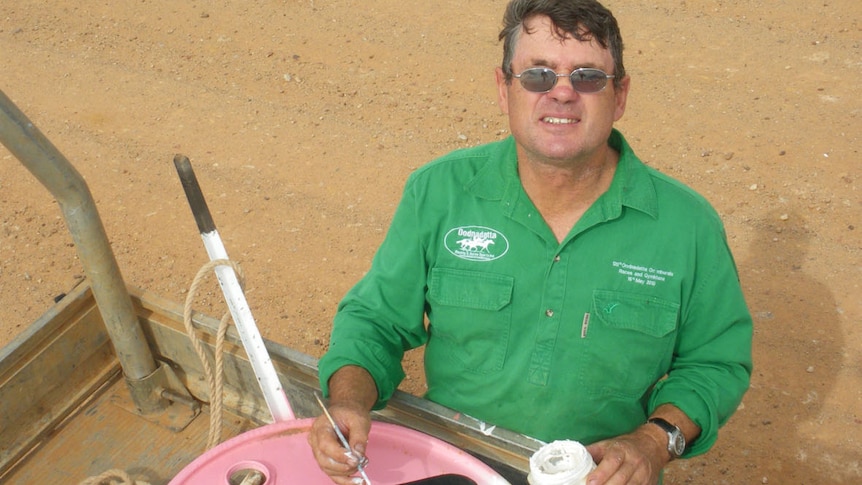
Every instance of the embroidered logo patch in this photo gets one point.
(476, 243)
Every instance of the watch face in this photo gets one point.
(679, 444)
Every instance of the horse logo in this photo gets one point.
(475, 244)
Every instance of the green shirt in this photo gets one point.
(640, 305)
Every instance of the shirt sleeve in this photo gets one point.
(712, 364)
(382, 316)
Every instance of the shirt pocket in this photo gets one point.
(630, 342)
(470, 318)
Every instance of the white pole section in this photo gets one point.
(253, 343)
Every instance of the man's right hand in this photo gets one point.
(330, 454)
(352, 395)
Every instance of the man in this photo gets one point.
(570, 291)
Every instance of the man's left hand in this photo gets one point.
(632, 459)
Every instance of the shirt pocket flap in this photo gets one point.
(470, 289)
(643, 313)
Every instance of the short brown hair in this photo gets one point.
(582, 19)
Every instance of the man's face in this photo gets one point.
(561, 126)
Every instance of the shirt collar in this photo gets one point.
(632, 185)
(499, 177)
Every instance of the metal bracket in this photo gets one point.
(174, 406)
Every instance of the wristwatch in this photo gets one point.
(675, 438)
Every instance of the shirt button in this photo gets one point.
(557, 258)
(549, 312)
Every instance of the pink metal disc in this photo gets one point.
(280, 451)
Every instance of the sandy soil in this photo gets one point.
(303, 119)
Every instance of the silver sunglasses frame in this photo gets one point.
(569, 75)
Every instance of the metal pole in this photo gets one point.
(54, 171)
(261, 364)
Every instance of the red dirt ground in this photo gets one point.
(303, 119)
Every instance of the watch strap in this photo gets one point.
(663, 424)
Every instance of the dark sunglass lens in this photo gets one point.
(588, 80)
(538, 80)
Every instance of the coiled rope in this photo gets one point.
(215, 380)
(110, 477)
(215, 377)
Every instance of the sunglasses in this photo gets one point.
(584, 79)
